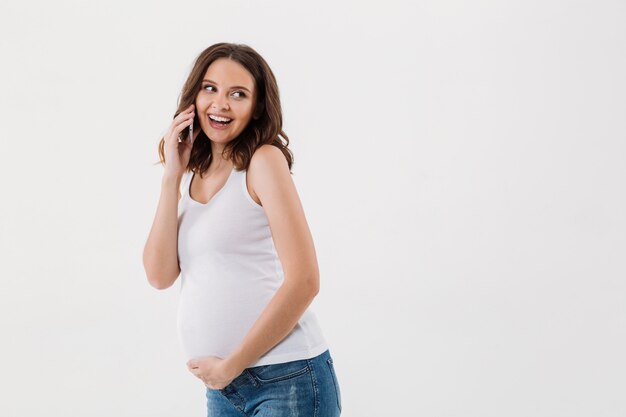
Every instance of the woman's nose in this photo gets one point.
(220, 103)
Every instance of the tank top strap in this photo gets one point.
(184, 183)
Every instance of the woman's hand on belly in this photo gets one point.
(213, 371)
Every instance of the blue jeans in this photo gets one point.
(305, 388)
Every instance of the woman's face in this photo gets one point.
(227, 91)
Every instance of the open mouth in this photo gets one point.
(219, 121)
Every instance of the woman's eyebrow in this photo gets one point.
(235, 86)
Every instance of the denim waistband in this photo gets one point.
(246, 378)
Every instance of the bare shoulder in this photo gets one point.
(268, 165)
(269, 154)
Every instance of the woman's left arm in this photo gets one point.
(274, 186)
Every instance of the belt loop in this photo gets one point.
(252, 378)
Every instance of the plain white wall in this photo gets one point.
(461, 165)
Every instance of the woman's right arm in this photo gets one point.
(160, 254)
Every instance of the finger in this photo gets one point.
(185, 123)
(182, 126)
(183, 115)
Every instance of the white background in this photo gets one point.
(462, 166)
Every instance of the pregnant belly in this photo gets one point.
(215, 322)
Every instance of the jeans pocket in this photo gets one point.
(266, 374)
(331, 366)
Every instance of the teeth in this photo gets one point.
(219, 119)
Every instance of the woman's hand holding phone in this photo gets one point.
(177, 153)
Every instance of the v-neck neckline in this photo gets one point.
(193, 174)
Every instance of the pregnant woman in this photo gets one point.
(229, 221)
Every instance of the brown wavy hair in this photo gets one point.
(266, 127)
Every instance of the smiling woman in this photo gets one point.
(239, 240)
(224, 109)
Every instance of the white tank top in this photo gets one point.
(229, 272)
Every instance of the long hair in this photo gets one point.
(265, 128)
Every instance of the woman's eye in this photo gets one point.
(241, 93)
